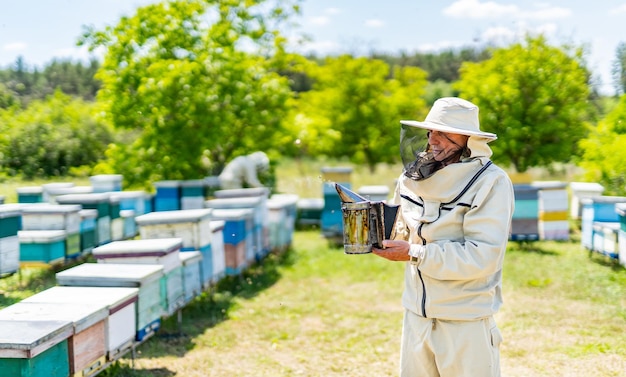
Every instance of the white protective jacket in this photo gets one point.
(458, 271)
(243, 170)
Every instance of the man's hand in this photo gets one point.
(395, 250)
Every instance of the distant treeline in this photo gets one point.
(22, 83)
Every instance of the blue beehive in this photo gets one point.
(332, 219)
(167, 196)
(597, 209)
(257, 245)
(133, 200)
(237, 229)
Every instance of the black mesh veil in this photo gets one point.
(419, 162)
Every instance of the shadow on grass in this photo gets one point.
(205, 311)
(606, 261)
(533, 247)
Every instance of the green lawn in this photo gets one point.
(315, 311)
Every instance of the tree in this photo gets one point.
(51, 137)
(355, 107)
(604, 153)
(534, 97)
(193, 90)
(619, 69)
(7, 97)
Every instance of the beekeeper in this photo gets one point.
(243, 171)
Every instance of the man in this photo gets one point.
(243, 170)
(452, 230)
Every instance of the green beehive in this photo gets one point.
(41, 247)
(34, 348)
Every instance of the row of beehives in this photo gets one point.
(101, 310)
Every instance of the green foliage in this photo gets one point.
(27, 84)
(442, 65)
(354, 108)
(7, 97)
(534, 97)
(189, 89)
(604, 153)
(50, 137)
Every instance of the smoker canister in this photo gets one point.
(356, 227)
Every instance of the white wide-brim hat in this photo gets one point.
(452, 115)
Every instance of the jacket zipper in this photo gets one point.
(419, 273)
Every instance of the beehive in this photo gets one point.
(163, 252)
(148, 278)
(86, 344)
(39, 349)
(121, 304)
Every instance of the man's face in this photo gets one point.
(443, 145)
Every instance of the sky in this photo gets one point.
(40, 30)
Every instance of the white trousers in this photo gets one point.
(441, 348)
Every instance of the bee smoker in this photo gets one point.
(365, 223)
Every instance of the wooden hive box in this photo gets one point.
(88, 230)
(257, 228)
(41, 247)
(148, 278)
(39, 349)
(290, 203)
(167, 196)
(161, 251)
(117, 222)
(121, 304)
(192, 194)
(98, 201)
(129, 224)
(29, 194)
(86, 345)
(237, 238)
(44, 216)
(217, 250)
(192, 274)
(191, 225)
(106, 182)
(277, 224)
(10, 224)
(134, 200)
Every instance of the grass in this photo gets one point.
(314, 311)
